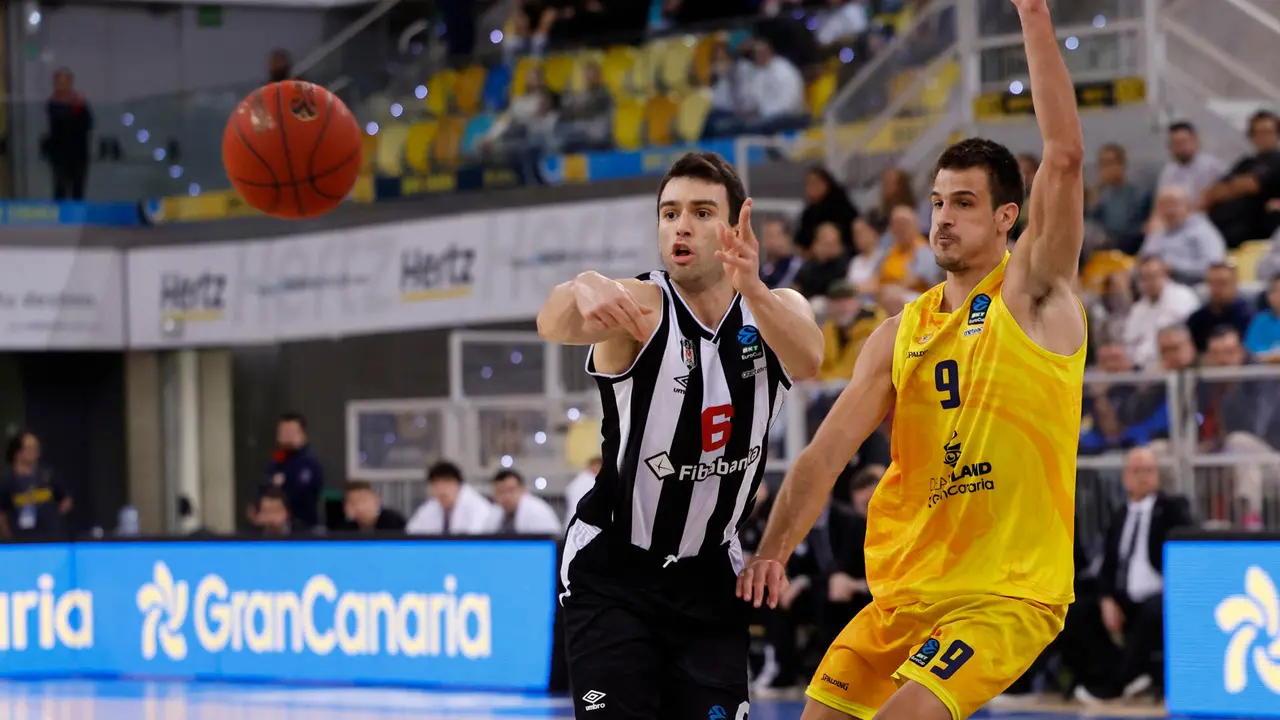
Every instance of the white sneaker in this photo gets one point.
(768, 671)
(1139, 685)
(1084, 697)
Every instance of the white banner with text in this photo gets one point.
(61, 299)
(454, 271)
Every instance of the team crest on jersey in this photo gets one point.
(978, 309)
(686, 353)
(749, 339)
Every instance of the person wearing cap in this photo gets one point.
(849, 324)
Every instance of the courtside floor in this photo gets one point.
(128, 700)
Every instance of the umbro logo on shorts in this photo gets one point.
(592, 699)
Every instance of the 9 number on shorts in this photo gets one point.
(946, 665)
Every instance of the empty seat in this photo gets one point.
(497, 88)
(676, 63)
(692, 117)
(446, 148)
(820, 91)
(469, 89)
(659, 119)
(440, 92)
(558, 72)
(616, 69)
(628, 120)
(703, 53)
(1102, 265)
(417, 148)
(476, 128)
(391, 141)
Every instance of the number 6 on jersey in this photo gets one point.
(946, 375)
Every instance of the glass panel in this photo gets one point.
(405, 440)
(503, 368)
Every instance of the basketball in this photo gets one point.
(292, 150)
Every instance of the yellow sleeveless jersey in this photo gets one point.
(980, 497)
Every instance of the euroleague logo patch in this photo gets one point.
(749, 339)
(978, 309)
(926, 652)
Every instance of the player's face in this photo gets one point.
(965, 231)
(689, 213)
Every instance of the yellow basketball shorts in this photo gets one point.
(966, 650)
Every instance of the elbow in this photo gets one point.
(809, 366)
(1066, 156)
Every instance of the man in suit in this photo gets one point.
(1131, 583)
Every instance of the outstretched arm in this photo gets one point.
(1048, 253)
(807, 487)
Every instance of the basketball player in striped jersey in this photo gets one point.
(693, 365)
(969, 538)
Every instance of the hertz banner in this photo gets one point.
(380, 278)
(472, 613)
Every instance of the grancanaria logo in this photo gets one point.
(1245, 617)
(163, 604)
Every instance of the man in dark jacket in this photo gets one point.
(66, 147)
(296, 471)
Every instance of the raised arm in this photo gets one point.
(807, 487)
(1048, 253)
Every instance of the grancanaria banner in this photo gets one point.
(473, 613)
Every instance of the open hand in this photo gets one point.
(761, 575)
(740, 252)
(607, 304)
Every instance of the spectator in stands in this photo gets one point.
(32, 500)
(849, 323)
(580, 486)
(1115, 417)
(728, 78)
(1161, 303)
(842, 22)
(1188, 168)
(895, 190)
(1186, 240)
(365, 512)
(1240, 203)
(826, 201)
(295, 471)
(66, 147)
(698, 12)
(864, 266)
(1225, 306)
(527, 125)
(1117, 205)
(1131, 580)
(847, 590)
(1109, 311)
(827, 263)
(455, 508)
(908, 262)
(779, 262)
(1262, 339)
(279, 66)
(587, 115)
(273, 517)
(774, 94)
(518, 511)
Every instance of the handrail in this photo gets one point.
(1259, 83)
(1115, 27)
(1257, 14)
(871, 68)
(886, 116)
(327, 48)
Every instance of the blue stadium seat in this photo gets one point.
(497, 88)
(476, 128)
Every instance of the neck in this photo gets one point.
(23, 468)
(711, 304)
(960, 284)
(1139, 498)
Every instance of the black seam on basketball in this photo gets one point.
(345, 162)
(279, 186)
(315, 146)
(284, 143)
(319, 176)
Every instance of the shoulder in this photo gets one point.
(795, 300)
(645, 292)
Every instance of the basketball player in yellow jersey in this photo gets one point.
(969, 538)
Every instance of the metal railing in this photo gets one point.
(1216, 430)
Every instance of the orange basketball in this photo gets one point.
(292, 150)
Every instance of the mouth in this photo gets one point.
(681, 254)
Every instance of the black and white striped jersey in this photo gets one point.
(685, 431)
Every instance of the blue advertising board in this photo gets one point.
(1222, 628)
(467, 614)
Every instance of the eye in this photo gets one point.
(669, 215)
(937, 203)
(704, 214)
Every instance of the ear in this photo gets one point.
(1006, 217)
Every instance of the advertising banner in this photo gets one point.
(489, 267)
(413, 612)
(1222, 628)
(61, 298)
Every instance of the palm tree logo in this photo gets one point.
(1246, 617)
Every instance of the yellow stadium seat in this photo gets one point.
(446, 147)
(616, 69)
(648, 60)
(1247, 257)
(1102, 265)
(676, 63)
(520, 77)
(368, 153)
(703, 53)
(936, 95)
(628, 120)
(558, 72)
(391, 141)
(820, 92)
(469, 89)
(692, 117)
(417, 149)
(659, 120)
(440, 92)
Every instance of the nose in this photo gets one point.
(684, 224)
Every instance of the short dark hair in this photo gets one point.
(273, 493)
(14, 445)
(1182, 126)
(294, 417)
(444, 470)
(1149, 258)
(712, 168)
(356, 486)
(1260, 116)
(1115, 149)
(1221, 331)
(504, 474)
(1003, 174)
